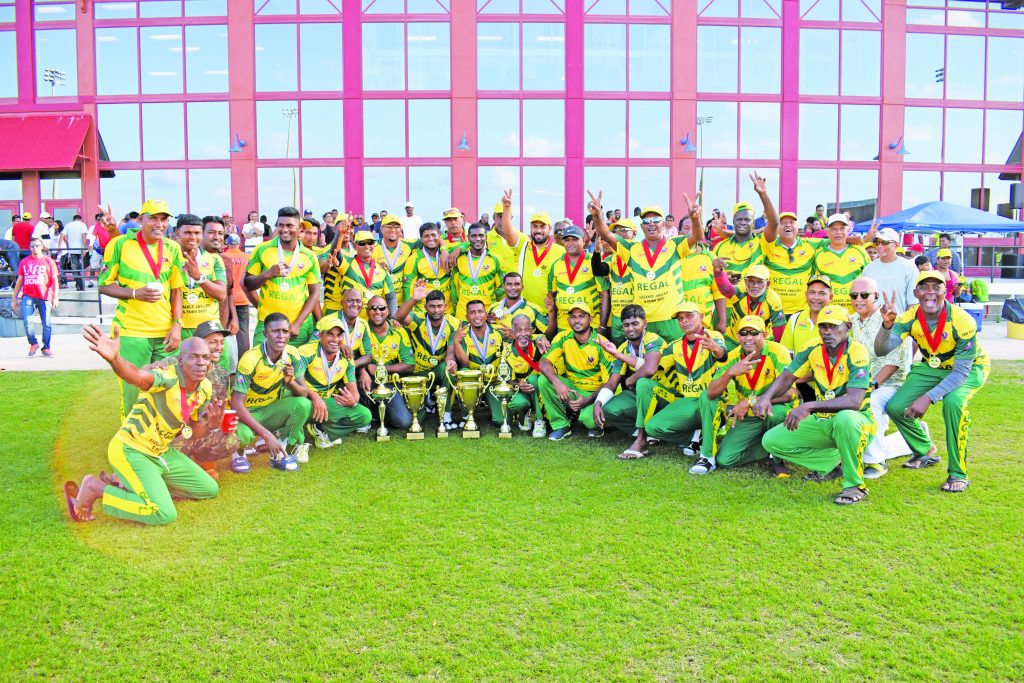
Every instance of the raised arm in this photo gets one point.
(508, 231)
(109, 349)
(597, 216)
(771, 228)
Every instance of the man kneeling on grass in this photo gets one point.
(147, 469)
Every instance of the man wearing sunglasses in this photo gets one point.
(359, 272)
(754, 297)
(840, 260)
(390, 345)
(952, 369)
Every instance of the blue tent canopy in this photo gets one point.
(932, 217)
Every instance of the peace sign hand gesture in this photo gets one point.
(743, 365)
(594, 205)
(888, 310)
(506, 199)
(693, 208)
(760, 183)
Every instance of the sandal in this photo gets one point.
(956, 485)
(919, 462)
(632, 454)
(819, 478)
(70, 496)
(851, 495)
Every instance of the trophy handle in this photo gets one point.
(430, 381)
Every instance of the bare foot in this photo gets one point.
(111, 479)
(932, 451)
(89, 492)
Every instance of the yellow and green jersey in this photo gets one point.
(483, 351)
(851, 369)
(575, 284)
(791, 268)
(499, 249)
(958, 338)
(620, 284)
(533, 263)
(776, 358)
(393, 346)
(430, 346)
(518, 360)
(657, 285)
(485, 285)
(767, 307)
(739, 256)
(352, 334)
(156, 418)
(351, 273)
(323, 375)
(650, 343)
(393, 261)
(286, 294)
(699, 284)
(322, 253)
(197, 306)
(507, 313)
(422, 266)
(261, 380)
(842, 267)
(800, 331)
(688, 366)
(127, 266)
(585, 364)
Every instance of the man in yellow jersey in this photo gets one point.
(573, 282)
(205, 279)
(432, 336)
(501, 313)
(214, 243)
(572, 370)
(360, 272)
(477, 274)
(145, 273)
(148, 470)
(673, 408)
(952, 369)
(264, 408)
(703, 279)
(287, 277)
(392, 253)
(534, 255)
(353, 327)
(748, 369)
(636, 358)
(802, 326)
(454, 226)
(333, 377)
(496, 244)
(390, 344)
(840, 424)
(429, 265)
(620, 281)
(307, 237)
(525, 362)
(754, 297)
(656, 262)
(478, 346)
(742, 248)
(842, 262)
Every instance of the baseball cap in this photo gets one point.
(541, 217)
(742, 206)
(209, 327)
(390, 219)
(498, 208)
(307, 225)
(929, 275)
(408, 205)
(362, 235)
(838, 218)
(581, 307)
(944, 253)
(45, 215)
(623, 224)
(232, 240)
(823, 279)
(834, 315)
(887, 235)
(759, 271)
(329, 322)
(916, 248)
(307, 212)
(572, 231)
(154, 207)
(652, 209)
(26, 216)
(687, 307)
(452, 213)
(788, 214)
(901, 250)
(753, 322)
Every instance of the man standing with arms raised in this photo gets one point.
(534, 256)
(359, 272)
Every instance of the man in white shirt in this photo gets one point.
(76, 234)
(890, 272)
(410, 223)
(43, 227)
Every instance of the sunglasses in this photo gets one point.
(863, 295)
(365, 243)
(652, 219)
(377, 308)
(749, 333)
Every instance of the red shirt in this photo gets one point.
(235, 261)
(22, 233)
(103, 237)
(39, 276)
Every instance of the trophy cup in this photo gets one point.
(414, 390)
(469, 384)
(504, 391)
(441, 397)
(382, 395)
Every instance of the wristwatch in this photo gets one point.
(202, 279)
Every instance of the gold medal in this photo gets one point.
(474, 289)
(433, 361)
(186, 432)
(570, 290)
(192, 298)
(536, 272)
(650, 275)
(934, 362)
(829, 395)
(436, 284)
(285, 286)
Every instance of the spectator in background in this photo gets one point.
(268, 232)
(130, 225)
(671, 230)
(77, 238)
(43, 229)
(922, 263)
(235, 262)
(11, 259)
(485, 219)
(890, 272)
(36, 290)
(410, 223)
(945, 242)
(21, 232)
(816, 226)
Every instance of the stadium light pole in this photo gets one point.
(290, 113)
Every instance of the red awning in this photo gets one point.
(42, 142)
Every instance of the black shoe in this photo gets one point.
(778, 467)
(822, 478)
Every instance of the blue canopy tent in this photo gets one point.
(932, 217)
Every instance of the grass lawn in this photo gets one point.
(521, 560)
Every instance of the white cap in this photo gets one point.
(408, 205)
(45, 215)
(838, 218)
(887, 235)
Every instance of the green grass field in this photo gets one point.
(508, 561)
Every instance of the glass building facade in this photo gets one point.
(361, 104)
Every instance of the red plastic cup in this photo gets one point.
(230, 421)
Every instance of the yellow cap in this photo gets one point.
(822, 279)
(451, 213)
(901, 250)
(364, 235)
(498, 208)
(759, 271)
(390, 219)
(307, 225)
(652, 209)
(26, 216)
(154, 207)
(624, 224)
(788, 214)
(541, 217)
(834, 315)
(328, 322)
(929, 275)
(753, 322)
(944, 253)
(687, 307)
(742, 206)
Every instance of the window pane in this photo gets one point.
(759, 130)
(209, 191)
(1005, 82)
(604, 128)
(275, 7)
(161, 50)
(123, 192)
(205, 8)
(859, 132)
(543, 56)
(55, 49)
(761, 67)
(999, 191)
(276, 59)
(857, 186)
(429, 56)
(543, 128)
(1002, 129)
(208, 134)
(163, 131)
(385, 187)
(277, 188)
(323, 188)
(825, 10)
(61, 188)
(819, 126)
(855, 10)
(717, 59)
(167, 184)
(923, 126)
(119, 126)
(54, 12)
(540, 6)
(604, 57)
(759, 9)
(819, 62)
(649, 186)
(424, 7)
(719, 189)
(277, 130)
(9, 56)
(956, 187)
(431, 188)
(920, 187)
(322, 134)
(115, 10)
(492, 181)
(117, 64)
(716, 136)
(544, 190)
(963, 136)
(157, 9)
(721, 8)
(383, 57)
(206, 58)
(497, 66)
(648, 129)
(816, 186)
(649, 57)
(862, 66)
(965, 62)
(607, 7)
(925, 53)
(498, 6)
(498, 126)
(430, 129)
(320, 56)
(611, 180)
(384, 128)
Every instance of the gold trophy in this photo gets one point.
(441, 397)
(382, 394)
(469, 384)
(414, 391)
(504, 391)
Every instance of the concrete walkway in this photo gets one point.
(71, 352)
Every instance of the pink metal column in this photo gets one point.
(683, 173)
(894, 69)
(463, 70)
(241, 106)
(575, 198)
(789, 144)
(85, 38)
(25, 42)
(352, 71)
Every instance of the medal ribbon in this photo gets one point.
(266, 357)
(367, 277)
(391, 257)
(153, 265)
(639, 353)
(435, 340)
(933, 339)
(503, 310)
(651, 258)
(527, 355)
(435, 265)
(754, 311)
(538, 259)
(830, 369)
(570, 272)
(621, 266)
(688, 359)
(474, 273)
(752, 381)
(329, 371)
(186, 407)
(346, 332)
(280, 257)
(481, 350)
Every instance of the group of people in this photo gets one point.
(770, 346)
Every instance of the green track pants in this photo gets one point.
(819, 443)
(523, 403)
(558, 412)
(620, 411)
(343, 420)
(742, 442)
(285, 416)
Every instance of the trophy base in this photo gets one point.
(414, 436)
(504, 435)
(475, 434)
(385, 437)
(442, 435)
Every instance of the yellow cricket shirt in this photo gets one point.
(485, 285)
(620, 284)
(348, 275)
(582, 289)
(424, 358)
(393, 260)
(393, 346)
(205, 306)
(842, 268)
(283, 294)
(777, 358)
(127, 266)
(699, 284)
(316, 376)
(650, 343)
(768, 307)
(263, 381)
(791, 268)
(739, 255)
(586, 365)
(800, 331)
(522, 367)
(657, 285)
(420, 266)
(851, 370)
(533, 263)
(689, 367)
(499, 249)
(958, 339)
(506, 314)
(487, 352)
(156, 417)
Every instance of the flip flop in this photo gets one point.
(632, 454)
(70, 495)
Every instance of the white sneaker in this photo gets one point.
(361, 430)
(320, 438)
(540, 430)
(527, 423)
(702, 466)
(301, 453)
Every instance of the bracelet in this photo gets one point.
(133, 294)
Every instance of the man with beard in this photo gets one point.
(360, 272)
(842, 426)
(433, 338)
(288, 279)
(145, 273)
(952, 369)
(148, 468)
(428, 265)
(389, 344)
(573, 282)
(478, 347)
(535, 256)
(205, 280)
(525, 362)
(503, 312)
(477, 274)
(754, 297)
